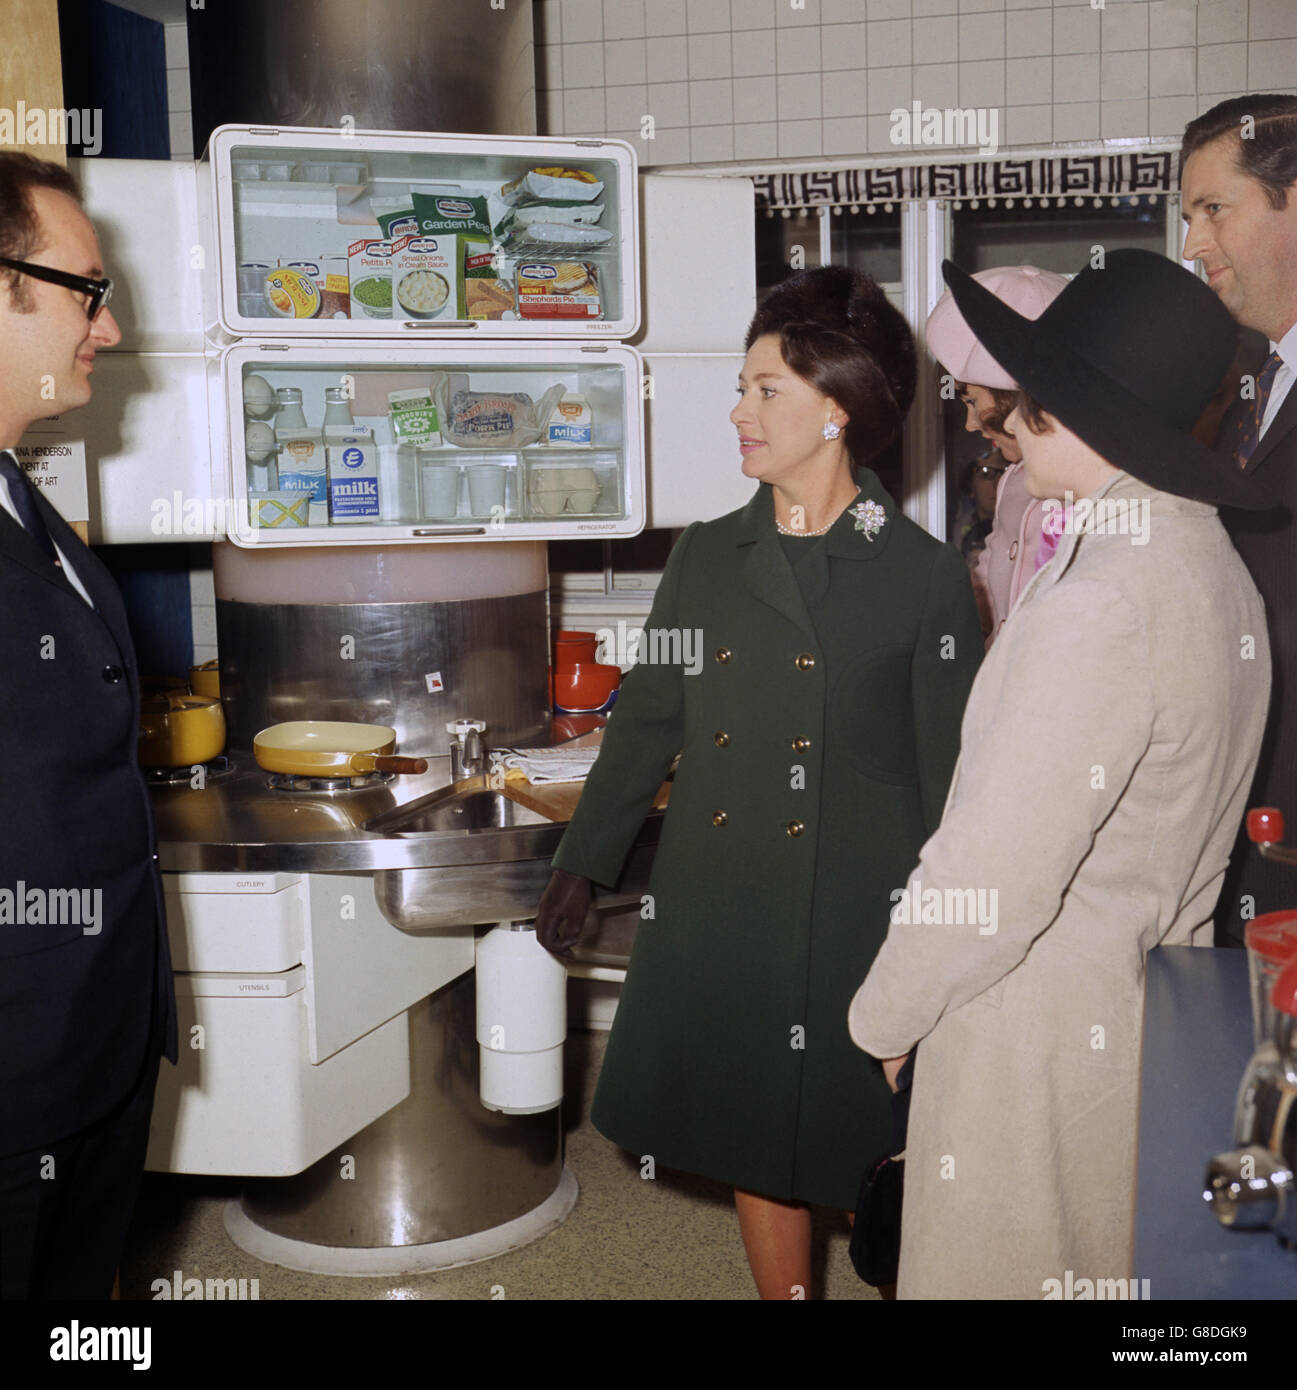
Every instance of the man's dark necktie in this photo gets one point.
(1249, 419)
(24, 500)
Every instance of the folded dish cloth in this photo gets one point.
(548, 764)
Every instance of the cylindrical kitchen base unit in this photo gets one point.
(405, 636)
(437, 1168)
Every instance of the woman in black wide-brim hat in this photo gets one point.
(839, 642)
(1107, 750)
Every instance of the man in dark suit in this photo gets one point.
(86, 1003)
(1238, 180)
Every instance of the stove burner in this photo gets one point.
(290, 782)
(219, 766)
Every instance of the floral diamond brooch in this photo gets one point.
(869, 518)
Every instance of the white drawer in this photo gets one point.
(245, 1097)
(236, 923)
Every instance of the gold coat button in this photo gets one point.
(723, 655)
(719, 818)
(804, 661)
(794, 828)
(722, 739)
(801, 743)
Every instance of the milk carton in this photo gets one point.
(301, 463)
(353, 477)
(571, 424)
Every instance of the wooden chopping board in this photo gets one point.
(557, 800)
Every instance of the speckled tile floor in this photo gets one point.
(676, 1237)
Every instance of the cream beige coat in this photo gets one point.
(1107, 748)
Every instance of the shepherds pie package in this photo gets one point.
(557, 290)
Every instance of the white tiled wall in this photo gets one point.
(202, 602)
(176, 39)
(729, 80)
(202, 594)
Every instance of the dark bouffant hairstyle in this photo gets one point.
(1003, 403)
(19, 231)
(1270, 152)
(837, 330)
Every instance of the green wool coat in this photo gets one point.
(817, 741)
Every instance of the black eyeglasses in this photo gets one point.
(99, 291)
(990, 470)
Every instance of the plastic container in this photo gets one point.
(438, 489)
(279, 508)
(571, 482)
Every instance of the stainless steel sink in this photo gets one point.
(475, 808)
(504, 877)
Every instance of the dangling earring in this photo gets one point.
(831, 430)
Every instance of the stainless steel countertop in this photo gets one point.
(237, 822)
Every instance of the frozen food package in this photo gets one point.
(557, 290)
(490, 419)
(292, 294)
(330, 276)
(504, 217)
(450, 214)
(395, 216)
(585, 214)
(369, 270)
(552, 184)
(485, 292)
(426, 277)
(560, 234)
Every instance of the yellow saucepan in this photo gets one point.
(179, 730)
(329, 748)
(206, 679)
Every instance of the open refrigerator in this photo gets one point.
(422, 337)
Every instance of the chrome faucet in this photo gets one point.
(467, 748)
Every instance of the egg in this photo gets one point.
(258, 398)
(259, 440)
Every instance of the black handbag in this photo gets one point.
(876, 1237)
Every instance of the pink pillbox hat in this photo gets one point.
(1024, 288)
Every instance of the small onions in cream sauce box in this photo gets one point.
(426, 277)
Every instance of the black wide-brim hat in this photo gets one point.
(1127, 357)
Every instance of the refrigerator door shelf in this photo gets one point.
(307, 197)
(524, 489)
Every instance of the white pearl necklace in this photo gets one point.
(790, 531)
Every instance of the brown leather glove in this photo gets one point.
(562, 911)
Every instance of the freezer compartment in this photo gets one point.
(245, 1098)
(390, 232)
(388, 443)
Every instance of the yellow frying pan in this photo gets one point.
(327, 748)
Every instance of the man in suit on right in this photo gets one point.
(1238, 182)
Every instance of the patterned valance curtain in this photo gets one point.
(1060, 179)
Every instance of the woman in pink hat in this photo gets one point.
(1015, 548)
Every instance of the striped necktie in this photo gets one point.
(24, 500)
(1249, 420)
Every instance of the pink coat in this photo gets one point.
(1010, 557)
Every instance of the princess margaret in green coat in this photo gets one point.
(817, 741)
